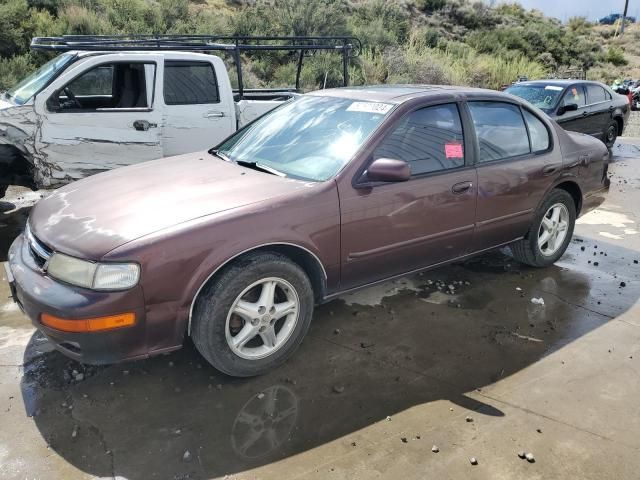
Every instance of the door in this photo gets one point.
(196, 116)
(600, 110)
(389, 229)
(100, 114)
(575, 120)
(515, 166)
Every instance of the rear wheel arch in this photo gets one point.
(304, 258)
(573, 189)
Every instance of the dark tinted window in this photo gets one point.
(500, 130)
(189, 83)
(429, 139)
(595, 94)
(574, 94)
(537, 131)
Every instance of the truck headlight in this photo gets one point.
(96, 276)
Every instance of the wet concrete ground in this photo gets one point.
(384, 375)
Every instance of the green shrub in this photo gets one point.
(14, 69)
(615, 55)
(431, 41)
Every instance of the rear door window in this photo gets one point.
(429, 140)
(190, 83)
(500, 130)
(595, 94)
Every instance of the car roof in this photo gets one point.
(557, 82)
(398, 93)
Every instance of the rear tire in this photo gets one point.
(611, 134)
(548, 237)
(254, 315)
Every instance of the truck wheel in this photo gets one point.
(253, 316)
(550, 232)
(610, 134)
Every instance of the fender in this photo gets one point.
(230, 259)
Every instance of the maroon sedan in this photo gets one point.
(334, 191)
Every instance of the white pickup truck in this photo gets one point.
(86, 111)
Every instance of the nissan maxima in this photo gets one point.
(331, 192)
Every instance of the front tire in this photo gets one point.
(550, 232)
(254, 315)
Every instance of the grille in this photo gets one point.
(39, 251)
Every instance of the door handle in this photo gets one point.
(611, 108)
(550, 169)
(143, 125)
(461, 187)
(584, 114)
(214, 115)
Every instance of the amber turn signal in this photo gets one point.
(88, 324)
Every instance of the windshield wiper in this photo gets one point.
(244, 163)
(260, 168)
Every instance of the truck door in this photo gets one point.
(199, 110)
(98, 115)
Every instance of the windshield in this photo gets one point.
(545, 97)
(310, 138)
(35, 82)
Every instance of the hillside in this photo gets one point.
(426, 41)
(624, 50)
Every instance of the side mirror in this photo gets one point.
(388, 170)
(571, 107)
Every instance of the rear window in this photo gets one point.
(190, 83)
(500, 129)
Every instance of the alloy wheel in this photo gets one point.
(553, 229)
(262, 318)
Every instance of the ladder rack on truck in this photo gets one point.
(348, 46)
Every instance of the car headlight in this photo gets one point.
(97, 276)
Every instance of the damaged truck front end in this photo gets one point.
(21, 160)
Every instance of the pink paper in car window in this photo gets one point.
(453, 150)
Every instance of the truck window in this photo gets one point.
(190, 83)
(106, 86)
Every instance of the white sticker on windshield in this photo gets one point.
(553, 87)
(369, 107)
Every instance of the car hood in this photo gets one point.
(91, 217)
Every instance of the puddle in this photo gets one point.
(374, 295)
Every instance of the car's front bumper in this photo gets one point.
(36, 293)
